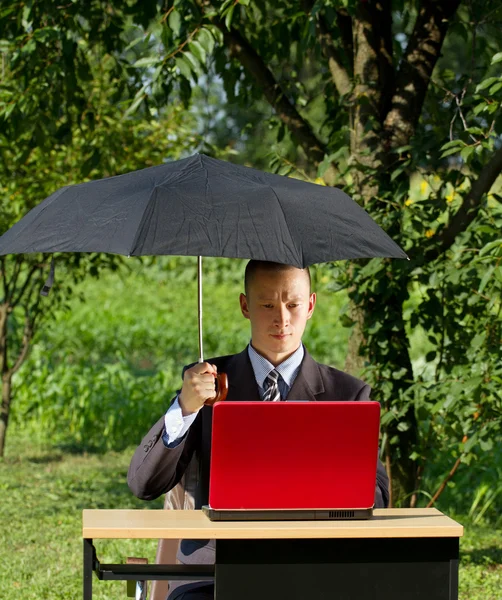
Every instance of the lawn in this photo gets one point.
(44, 490)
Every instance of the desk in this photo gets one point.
(399, 554)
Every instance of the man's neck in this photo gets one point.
(274, 359)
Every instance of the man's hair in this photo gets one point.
(271, 267)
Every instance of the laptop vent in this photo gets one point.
(341, 514)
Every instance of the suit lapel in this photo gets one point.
(242, 383)
(241, 380)
(308, 383)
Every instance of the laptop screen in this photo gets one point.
(294, 455)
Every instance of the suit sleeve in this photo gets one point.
(155, 469)
(382, 487)
(382, 481)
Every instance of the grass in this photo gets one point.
(44, 490)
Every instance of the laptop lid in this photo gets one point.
(294, 455)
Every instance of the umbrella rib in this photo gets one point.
(299, 252)
(139, 230)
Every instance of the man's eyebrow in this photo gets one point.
(274, 298)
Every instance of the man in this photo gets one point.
(275, 366)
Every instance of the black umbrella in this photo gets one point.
(201, 206)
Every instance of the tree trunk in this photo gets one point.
(5, 409)
(354, 361)
(397, 375)
(6, 378)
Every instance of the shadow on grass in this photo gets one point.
(491, 555)
(45, 459)
(76, 448)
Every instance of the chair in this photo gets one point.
(181, 497)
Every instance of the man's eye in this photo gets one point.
(267, 306)
(293, 305)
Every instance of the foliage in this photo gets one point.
(63, 119)
(375, 96)
(398, 103)
(105, 369)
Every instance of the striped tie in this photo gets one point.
(271, 388)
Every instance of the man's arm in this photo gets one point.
(155, 469)
(382, 487)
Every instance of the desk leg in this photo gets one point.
(89, 556)
(337, 569)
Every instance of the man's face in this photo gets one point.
(278, 304)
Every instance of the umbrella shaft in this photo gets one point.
(199, 285)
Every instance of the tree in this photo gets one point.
(63, 119)
(399, 103)
(396, 102)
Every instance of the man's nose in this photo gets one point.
(281, 316)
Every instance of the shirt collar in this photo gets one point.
(288, 369)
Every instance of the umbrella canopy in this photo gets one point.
(201, 206)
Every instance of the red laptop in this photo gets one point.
(293, 460)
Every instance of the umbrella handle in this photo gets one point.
(221, 389)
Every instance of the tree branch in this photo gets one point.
(4, 278)
(419, 60)
(29, 275)
(15, 274)
(27, 336)
(468, 210)
(388, 468)
(339, 74)
(445, 481)
(241, 49)
(31, 315)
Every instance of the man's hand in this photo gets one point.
(198, 386)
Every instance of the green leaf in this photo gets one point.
(174, 21)
(147, 61)
(466, 152)
(184, 66)
(452, 144)
(396, 173)
(490, 246)
(471, 442)
(479, 108)
(138, 99)
(497, 58)
(198, 51)
(495, 88)
(450, 152)
(475, 131)
(487, 83)
(228, 16)
(206, 40)
(194, 63)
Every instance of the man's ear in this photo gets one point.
(244, 305)
(312, 301)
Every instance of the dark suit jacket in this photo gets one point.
(155, 469)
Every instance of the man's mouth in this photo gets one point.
(280, 336)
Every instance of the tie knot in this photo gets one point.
(273, 377)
